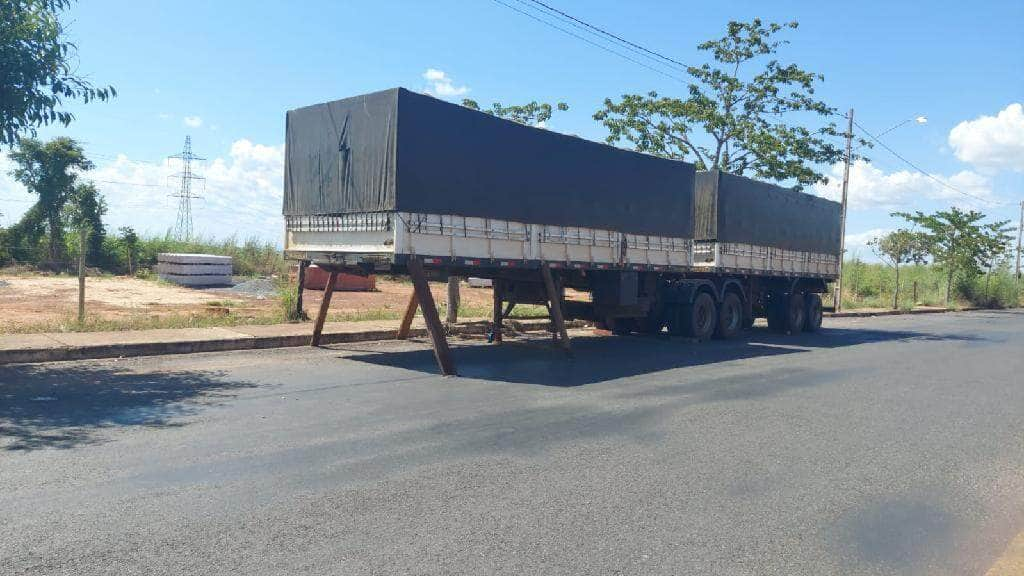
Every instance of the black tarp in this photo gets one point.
(400, 150)
(730, 208)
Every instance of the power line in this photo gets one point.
(611, 35)
(131, 183)
(922, 171)
(591, 42)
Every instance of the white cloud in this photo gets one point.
(992, 142)
(870, 187)
(193, 121)
(241, 195)
(442, 85)
(859, 241)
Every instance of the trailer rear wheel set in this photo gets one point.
(623, 302)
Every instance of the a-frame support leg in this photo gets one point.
(555, 307)
(498, 287)
(410, 313)
(321, 316)
(433, 321)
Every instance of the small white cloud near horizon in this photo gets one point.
(442, 85)
(870, 187)
(193, 121)
(992, 143)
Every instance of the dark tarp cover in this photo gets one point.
(400, 150)
(730, 208)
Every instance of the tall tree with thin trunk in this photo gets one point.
(959, 241)
(896, 248)
(50, 171)
(745, 113)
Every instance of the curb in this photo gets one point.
(243, 342)
(855, 314)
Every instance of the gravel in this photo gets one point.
(258, 287)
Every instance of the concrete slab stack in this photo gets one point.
(194, 269)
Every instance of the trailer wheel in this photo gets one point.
(700, 317)
(796, 313)
(730, 317)
(812, 320)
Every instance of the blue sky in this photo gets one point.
(226, 72)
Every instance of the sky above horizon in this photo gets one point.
(225, 73)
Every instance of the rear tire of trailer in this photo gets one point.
(700, 318)
(812, 315)
(730, 317)
(796, 313)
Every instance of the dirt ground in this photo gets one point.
(37, 300)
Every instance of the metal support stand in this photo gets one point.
(555, 308)
(433, 321)
(497, 286)
(301, 277)
(321, 316)
(410, 313)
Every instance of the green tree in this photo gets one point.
(129, 240)
(733, 116)
(85, 209)
(532, 114)
(38, 70)
(50, 171)
(959, 241)
(899, 247)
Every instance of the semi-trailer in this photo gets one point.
(399, 182)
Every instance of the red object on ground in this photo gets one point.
(316, 279)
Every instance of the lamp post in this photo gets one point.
(847, 160)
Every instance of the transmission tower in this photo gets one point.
(183, 226)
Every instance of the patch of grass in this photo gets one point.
(143, 322)
(871, 285)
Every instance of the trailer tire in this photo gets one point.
(700, 317)
(730, 317)
(796, 313)
(812, 320)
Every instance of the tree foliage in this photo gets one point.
(50, 171)
(532, 114)
(959, 241)
(899, 247)
(129, 240)
(85, 210)
(38, 73)
(734, 115)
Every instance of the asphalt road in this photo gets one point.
(880, 446)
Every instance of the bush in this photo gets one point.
(287, 297)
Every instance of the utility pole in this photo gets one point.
(842, 214)
(83, 243)
(1020, 229)
(183, 225)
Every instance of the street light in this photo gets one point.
(920, 119)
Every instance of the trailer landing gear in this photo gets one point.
(555, 308)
